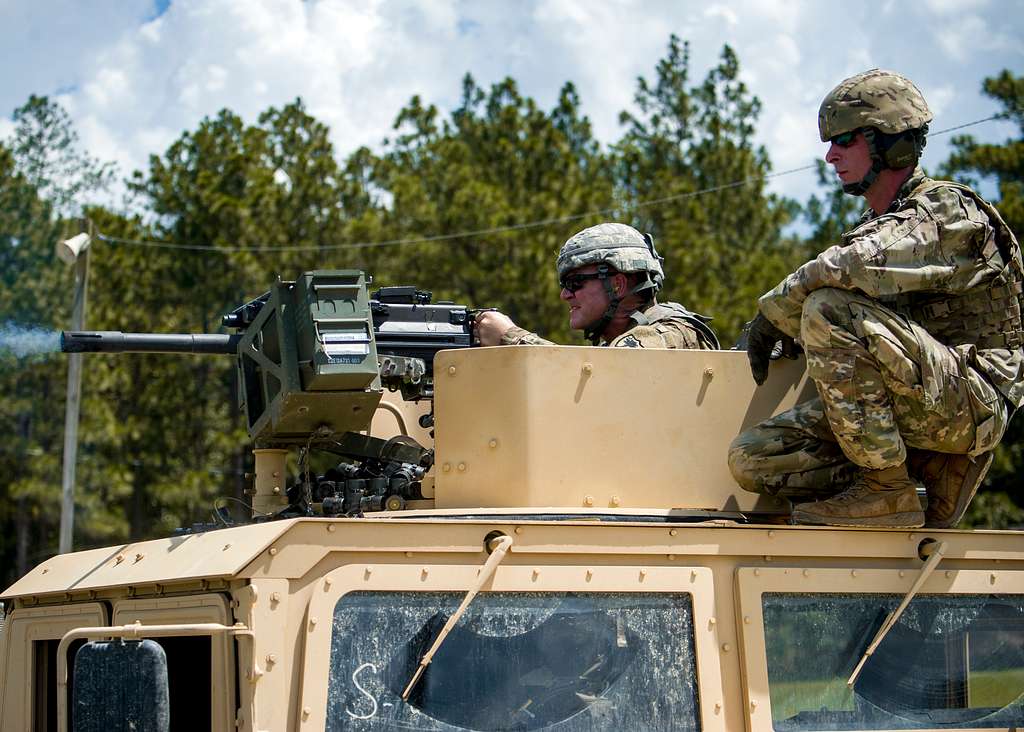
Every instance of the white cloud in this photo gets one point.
(723, 12)
(133, 83)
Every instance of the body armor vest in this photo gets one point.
(674, 311)
(988, 316)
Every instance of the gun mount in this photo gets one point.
(313, 358)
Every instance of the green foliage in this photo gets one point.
(497, 162)
(686, 139)
(46, 151)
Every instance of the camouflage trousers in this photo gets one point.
(884, 384)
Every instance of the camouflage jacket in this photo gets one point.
(660, 325)
(935, 242)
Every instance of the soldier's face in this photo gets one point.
(588, 303)
(851, 162)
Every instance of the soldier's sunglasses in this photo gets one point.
(846, 139)
(575, 282)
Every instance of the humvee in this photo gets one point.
(515, 538)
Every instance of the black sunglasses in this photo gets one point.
(846, 139)
(575, 282)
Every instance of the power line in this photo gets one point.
(540, 223)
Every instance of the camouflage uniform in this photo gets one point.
(913, 337)
(659, 325)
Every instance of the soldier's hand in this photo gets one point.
(489, 326)
(762, 337)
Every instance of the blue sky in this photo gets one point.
(136, 73)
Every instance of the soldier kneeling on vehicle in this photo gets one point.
(912, 329)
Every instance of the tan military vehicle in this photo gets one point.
(533, 538)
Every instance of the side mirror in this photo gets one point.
(120, 686)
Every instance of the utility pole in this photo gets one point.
(73, 251)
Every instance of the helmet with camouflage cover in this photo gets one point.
(881, 99)
(621, 247)
(614, 248)
(889, 110)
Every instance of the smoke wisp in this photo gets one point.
(22, 341)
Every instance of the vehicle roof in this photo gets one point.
(290, 548)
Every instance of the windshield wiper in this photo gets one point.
(934, 552)
(498, 546)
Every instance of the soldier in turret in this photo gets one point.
(610, 274)
(912, 329)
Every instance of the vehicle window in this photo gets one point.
(522, 661)
(950, 661)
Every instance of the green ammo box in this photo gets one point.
(309, 359)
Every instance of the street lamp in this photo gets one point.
(73, 251)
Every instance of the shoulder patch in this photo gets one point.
(630, 341)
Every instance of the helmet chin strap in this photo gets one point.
(595, 330)
(878, 164)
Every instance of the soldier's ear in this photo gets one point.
(620, 283)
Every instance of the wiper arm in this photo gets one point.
(499, 546)
(935, 552)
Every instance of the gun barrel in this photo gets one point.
(114, 341)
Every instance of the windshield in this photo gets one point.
(515, 661)
(950, 661)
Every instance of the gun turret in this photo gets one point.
(315, 353)
(114, 341)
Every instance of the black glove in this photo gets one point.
(766, 343)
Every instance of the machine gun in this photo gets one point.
(313, 357)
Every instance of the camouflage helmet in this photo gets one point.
(619, 246)
(881, 99)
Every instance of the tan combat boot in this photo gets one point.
(877, 498)
(951, 482)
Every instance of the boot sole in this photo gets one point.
(904, 520)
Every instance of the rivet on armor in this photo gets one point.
(671, 557)
(615, 501)
(447, 467)
(227, 546)
(519, 529)
(331, 528)
(588, 501)
(643, 574)
(673, 532)
(275, 597)
(273, 551)
(312, 623)
(807, 573)
(757, 572)
(327, 584)
(853, 572)
(726, 648)
(588, 368)
(709, 372)
(408, 554)
(451, 371)
(493, 443)
(949, 573)
(590, 575)
(462, 467)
